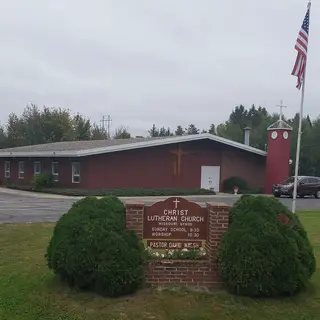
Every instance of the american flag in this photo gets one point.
(302, 48)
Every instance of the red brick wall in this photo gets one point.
(193, 273)
(196, 273)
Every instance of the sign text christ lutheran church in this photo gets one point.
(175, 223)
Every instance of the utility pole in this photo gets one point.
(108, 120)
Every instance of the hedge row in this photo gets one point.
(115, 192)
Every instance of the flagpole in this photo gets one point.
(296, 171)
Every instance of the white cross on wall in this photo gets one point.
(176, 203)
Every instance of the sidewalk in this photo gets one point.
(141, 198)
(22, 193)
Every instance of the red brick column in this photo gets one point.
(218, 223)
(134, 216)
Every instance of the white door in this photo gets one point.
(210, 177)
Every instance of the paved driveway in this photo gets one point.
(25, 208)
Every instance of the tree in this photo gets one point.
(168, 132)
(121, 133)
(239, 116)
(3, 138)
(57, 124)
(98, 133)
(48, 125)
(309, 152)
(230, 131)
(212, 129)
(154, 132)
(163, 132)
(257, 118)
(15, 131)
(81, 127)
(179, 131)
(192, 129)
(32, 125)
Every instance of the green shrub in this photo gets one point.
(266, 251)
(228, 184)
(115, 192)
(91, 249)
(42, 180)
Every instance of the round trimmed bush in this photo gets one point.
(228, 184)
(91, 249)
(266, 251)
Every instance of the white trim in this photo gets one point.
(135, 145)
(73, 175)
(21, 172)
(34, 167)
(55, 174)
(7, 173)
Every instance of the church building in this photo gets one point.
(178, 162)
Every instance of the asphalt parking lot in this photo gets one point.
(23, 208)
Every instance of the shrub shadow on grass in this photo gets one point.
(57, 287)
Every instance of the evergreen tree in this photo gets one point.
(154, 132)
(179, 131)
(212, 129)
(162, 132)
(192, 129)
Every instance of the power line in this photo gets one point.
(108, 120)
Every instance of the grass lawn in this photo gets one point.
(28, 291)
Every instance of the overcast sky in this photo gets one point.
(166, 62)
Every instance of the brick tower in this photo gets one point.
(278, 153)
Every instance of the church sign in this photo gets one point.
(175, 223)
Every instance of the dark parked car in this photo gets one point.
(307, 186)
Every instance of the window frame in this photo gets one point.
(7, 173)
(34, 167)
(73, 175)
(55, 174)
(303, 181)
(21, 173)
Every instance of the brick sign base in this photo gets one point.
(192, 273)
(202, 274)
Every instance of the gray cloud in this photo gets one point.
(164, 62)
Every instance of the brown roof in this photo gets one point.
(77, 145)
